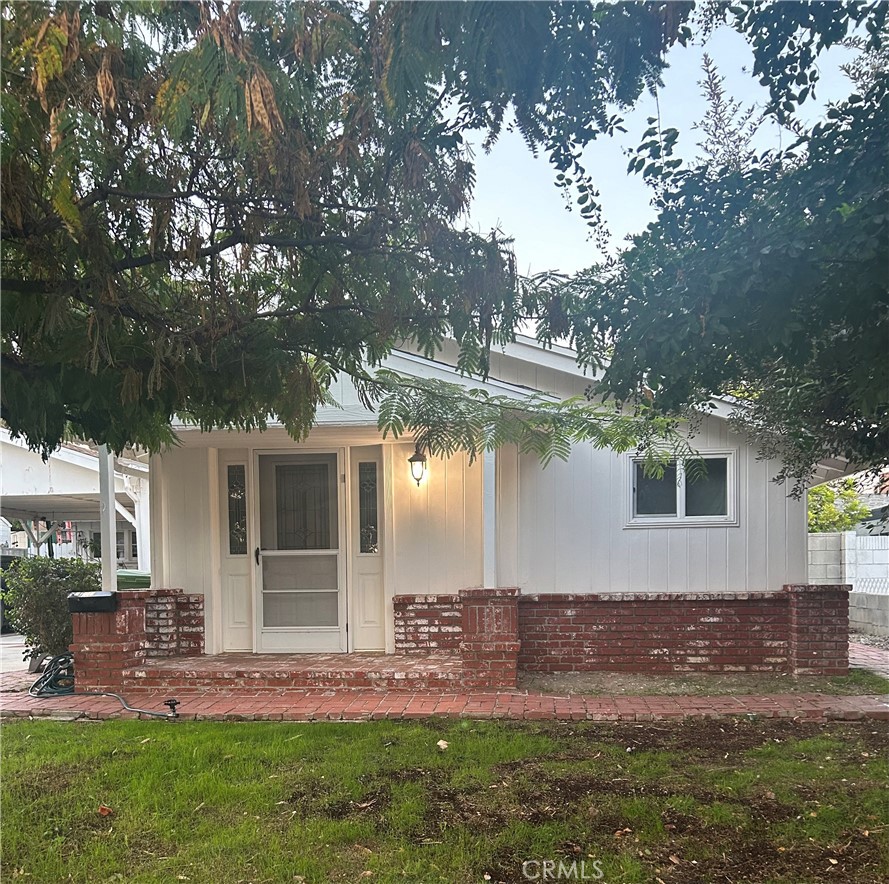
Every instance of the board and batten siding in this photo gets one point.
(568, 531)
(562, 528)
(437, 527)
(183, 483)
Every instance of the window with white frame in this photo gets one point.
(699, 492)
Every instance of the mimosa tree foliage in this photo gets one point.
(210, 209)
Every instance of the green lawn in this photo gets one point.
(700, 801)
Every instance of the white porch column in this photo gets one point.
(143, 527)
(489, 518)
(137, 491)
(107, 519)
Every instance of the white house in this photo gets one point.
(59, 499)
(330, 545)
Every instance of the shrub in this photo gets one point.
(835, 507)
(36, 601)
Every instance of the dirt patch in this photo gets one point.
(49, 780)
(757, 860)
(682, 828)
(688, 684)
(709, 739)
(744, 859)
(313, 799)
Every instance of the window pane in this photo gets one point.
(367, 508)
(120, 545)
(282, 609)
(708, 495)
(303, 506)
(134, 546)
(300, 591)
(237, 510)
(655, 497)
(299, 573)
(298, 501)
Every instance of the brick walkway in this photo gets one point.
(866, 657)
(362, 705)
(239, 704)
(358, 705)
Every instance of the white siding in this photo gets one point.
(559, 529)
(437, 526)
(182, 528)
(572, 536)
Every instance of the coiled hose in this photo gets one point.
(58, 680)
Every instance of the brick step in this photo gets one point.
(423, 681)
(267, 674)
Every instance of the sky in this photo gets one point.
(516, 192)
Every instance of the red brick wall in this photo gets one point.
(174, 624)
(147, 623)
(106, 644)
(426, 624)
(726, 632)
(490, 646)
(819, 629)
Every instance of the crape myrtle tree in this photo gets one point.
(764, 277)
(212, 209)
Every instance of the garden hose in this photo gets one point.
(58, 680)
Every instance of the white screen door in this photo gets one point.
(299, 561)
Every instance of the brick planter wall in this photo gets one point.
(426, 624)
(803, 629)
(495, 632)
(106, 644)
(819, 629)
(147, 623)
(490, 646)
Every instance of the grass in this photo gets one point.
(696, 801)
(858, 679)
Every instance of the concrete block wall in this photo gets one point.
(827, 558)
(869, 613)
(861, 561)
(846, 557)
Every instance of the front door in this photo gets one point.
(299, 562)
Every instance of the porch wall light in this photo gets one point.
(418, 465)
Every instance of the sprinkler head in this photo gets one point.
(172, 704)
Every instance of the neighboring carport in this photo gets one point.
(68, 488)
